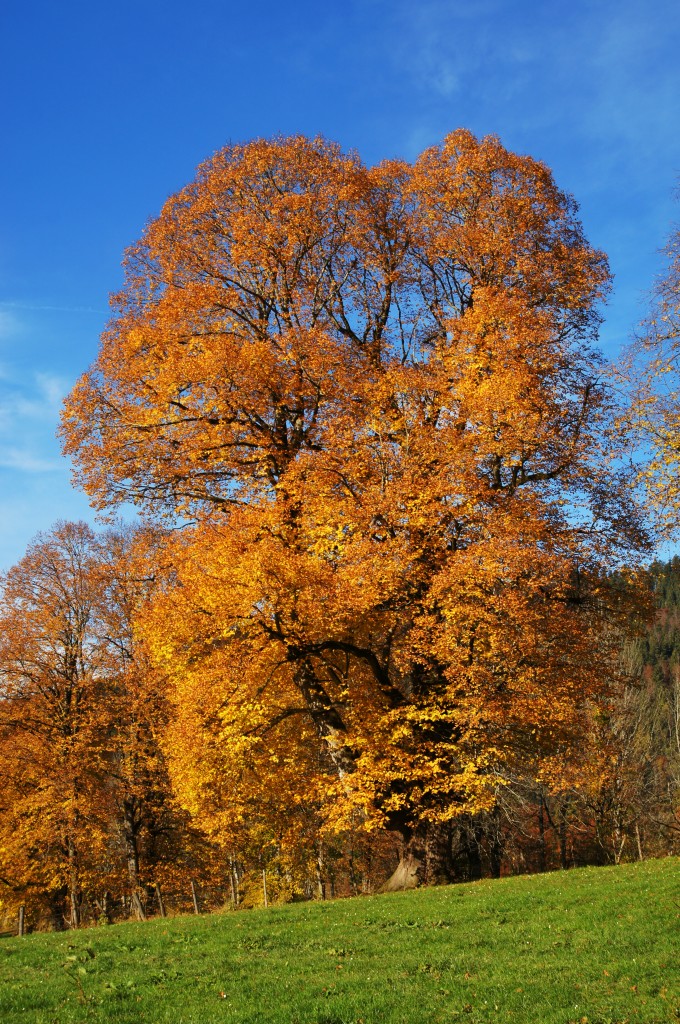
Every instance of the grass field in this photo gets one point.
(598, 945)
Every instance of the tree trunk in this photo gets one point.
(56, 912)
(130, 837)
(562, 834)
(467, 856)
(639, 842)
(352, 873)
(425, 857)
(329, 725)
(541, 834)
(159, 897)
(320, 884)
(104, 912)
(474, 859)
(74, 909)
(495, 855)
(73, 893)
(137, 906)
(233, 879)
(408, 873)
(496, 846)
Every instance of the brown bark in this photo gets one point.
(104, 912)
(425, 857)
(495, 842)
(74, 906)
(194, 897)
(73, 886)
(541, 834)
(159, 897)
(408, 873)
(130, 839)
(327, 721)
(233, 880)
(562, 835)
(320, 884)
(56, 910)
(638, 840)
(474, 859)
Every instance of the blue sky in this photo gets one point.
(108, 108)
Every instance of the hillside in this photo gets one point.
(595, 945)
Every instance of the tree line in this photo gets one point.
(96, 822)
(381, 622)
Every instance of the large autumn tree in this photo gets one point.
(372, 398)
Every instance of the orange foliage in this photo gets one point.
(373, 393)
(86, 806)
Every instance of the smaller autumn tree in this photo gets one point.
(51, 728)
(374, 394)
(87, 808)
(653, 373)
(144, 823)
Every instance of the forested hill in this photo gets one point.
(653, 662)
(659, 651)
(646, 725)
(630, 807)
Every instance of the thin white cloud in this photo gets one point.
(593, 70)
(10, 325)
(28, 462)
(53, 388)
(29, 412)
(39, 401)
(42, 307)
(31, 507)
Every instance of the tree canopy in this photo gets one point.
(371, 396)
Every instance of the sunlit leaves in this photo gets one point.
(373, 395)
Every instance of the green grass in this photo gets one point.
(599, 944)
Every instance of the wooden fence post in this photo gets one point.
(159, 897)
(234, 888)
(194, 897)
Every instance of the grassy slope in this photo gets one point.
(601, 945)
